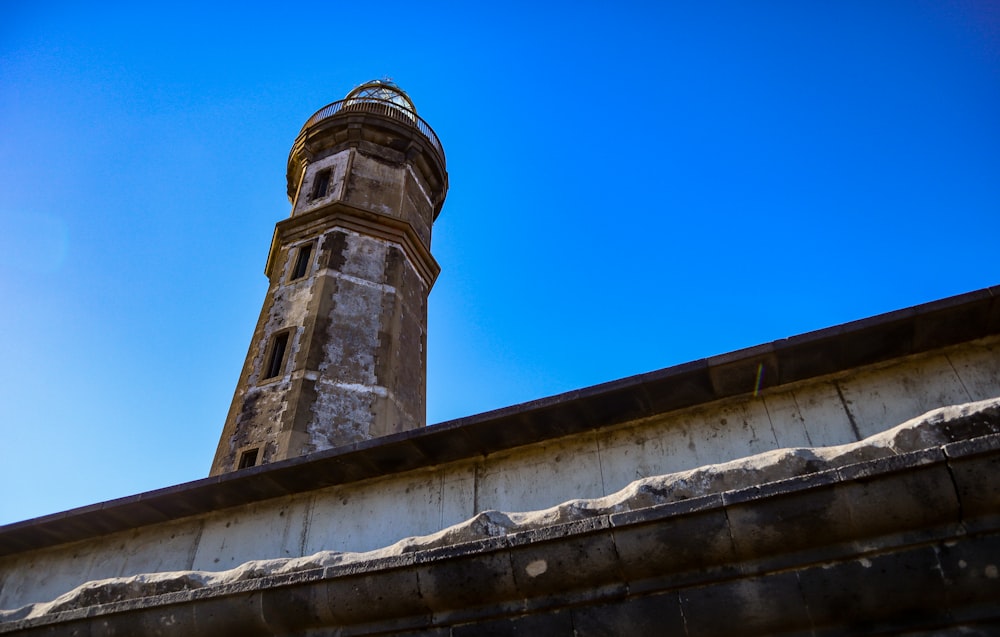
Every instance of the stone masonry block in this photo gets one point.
(919, 498)
(676, 545)
(971, 570)
(550, 567)
(649, 615)
(289, 608)
(805, 517)
(975, 476)
(752, 606)
(471, 578)
(377, 594)
(550, 623)
(890, 587)
(237, 615)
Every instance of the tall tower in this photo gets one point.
(339, 353)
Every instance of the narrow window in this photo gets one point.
(248, 458)
(302, 262)
(275, 362)
(321, 183)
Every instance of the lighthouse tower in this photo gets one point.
(339, 354)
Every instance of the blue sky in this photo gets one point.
(633, 186)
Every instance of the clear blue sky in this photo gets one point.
(633, 186)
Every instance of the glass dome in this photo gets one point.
(383, 93)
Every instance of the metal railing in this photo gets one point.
(379, 107)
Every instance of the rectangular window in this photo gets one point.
(276, 359)
(320, 184)
(248, 459)
(302, 262)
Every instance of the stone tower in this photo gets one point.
(339, 353)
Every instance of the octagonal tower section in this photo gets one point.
(339, 354)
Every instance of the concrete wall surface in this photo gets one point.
(373, 513)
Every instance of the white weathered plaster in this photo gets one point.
(550, 472)
(358, 387)
(382, 287)
(823, 414)
(337, 164)
(805, 416)
(239, 535)
(374, 511)
(875, 398)
(420, 185)
(978, 368)
(388, 176)
(163, 547)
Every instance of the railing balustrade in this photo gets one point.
(378, 106)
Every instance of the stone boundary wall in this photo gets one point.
(373, 513)
(901, 544)
(784, 364)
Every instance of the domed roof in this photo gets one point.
(381, 91)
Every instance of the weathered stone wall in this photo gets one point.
(356, 351)
(370, 514)
(337, 164)
(370, 177)
(896, 534)
(356, 322)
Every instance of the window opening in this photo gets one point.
(321, 183)
(302, 262)
(277, 358)
(248, 458)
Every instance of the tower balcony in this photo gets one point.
(378, 106)
(376, 115)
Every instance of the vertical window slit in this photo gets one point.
(302, 262)
(275, 361)
(248, 459)
(321, 183)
